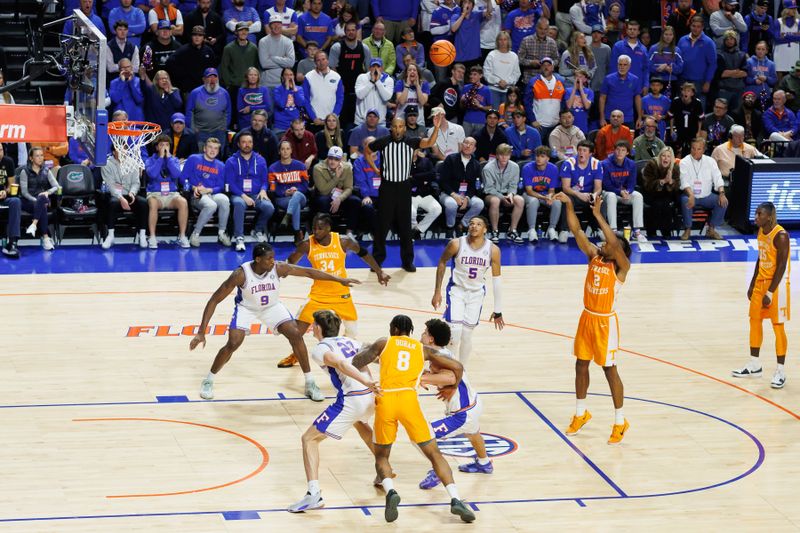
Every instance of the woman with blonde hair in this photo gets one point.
(251, 96)
(501, 69)
(330, 135)
(662, 192)
(666, 61)
(577, 55)
(161, 98)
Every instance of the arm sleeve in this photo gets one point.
(333, 58)
(337, 108)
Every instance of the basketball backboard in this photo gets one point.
(87, 89)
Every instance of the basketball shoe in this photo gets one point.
(457, 507)
(618, 432)
(430, 481)
(577, 423)
(747, 371)
(392, 502)
(288, 361)
(207, 389)
(312, 391)
(309, 502)
(778, 380)
(476, 468)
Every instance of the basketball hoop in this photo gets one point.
(128, 137)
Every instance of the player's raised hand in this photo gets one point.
(198, 339)
(349, 282)
(598, 201)
(436, 301)
(383, 278)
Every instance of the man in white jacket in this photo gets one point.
(374, 89)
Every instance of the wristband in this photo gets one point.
(495, 316)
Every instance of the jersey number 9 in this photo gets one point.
(265, 300)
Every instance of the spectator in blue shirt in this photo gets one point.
(466, 25)
(657, 105)
(579, 99)
(133, 16)
(619, 186)
(581, 177)
(367, 183)
(314, 25)
(476, 100)
(205, 175)
(620, 90)
(780, 123)
(631, 47)
(251, 96)
(246, 176)
(290, 101)
(699, 54)
(288, 183)
(395, 15)
(523, 139)
(87, 8)
(126, 92)
(522, 22)
(241, 13)
(540, 180)
(162, 172)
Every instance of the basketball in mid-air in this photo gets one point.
(443, 53)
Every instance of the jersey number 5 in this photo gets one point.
(403, 360)
(473, 273)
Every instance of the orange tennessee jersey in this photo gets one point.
(601, 287)
(768, 254)
(402, 363)
(329, 259)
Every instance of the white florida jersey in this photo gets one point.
(470, 266)
(258, 292)
(347, 348)
(464, 397)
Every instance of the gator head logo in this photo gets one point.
(254, 99)
(211, 102)
(496, 446)
(75, 176)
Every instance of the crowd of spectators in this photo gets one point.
(266, 106)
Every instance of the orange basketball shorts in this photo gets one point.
(597, 338)
(343, 307)
(779, 310)
(400, 407)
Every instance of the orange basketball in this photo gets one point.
(443, 53)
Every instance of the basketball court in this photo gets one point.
(104, 429)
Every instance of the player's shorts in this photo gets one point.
(343, 307)
(272, 317)
(466, 420)
(163, 199)
(403, 407)
(344, 412)
(779, 311)
(597, 338)
(463, 307)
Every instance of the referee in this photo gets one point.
(394, 195)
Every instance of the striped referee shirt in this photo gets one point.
(396, 157)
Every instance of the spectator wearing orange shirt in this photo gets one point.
(609, 134)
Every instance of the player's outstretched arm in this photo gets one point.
(622, 261)
(437, 379)
(285, 269)
(497, 315)
(369, 353)
(575, 226)
(236, 279)
(351, 244)
(299, 252)
(344, 366)
(449, 252)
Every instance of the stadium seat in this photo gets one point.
(77, 206)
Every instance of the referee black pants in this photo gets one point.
(394, 208)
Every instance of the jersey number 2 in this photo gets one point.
(403, 360)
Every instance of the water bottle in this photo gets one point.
(478, 184)
(103, 188)
(186, 185)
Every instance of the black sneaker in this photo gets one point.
(10, 250)
(494, 236)
(747, 372)
(410, 268)
(449, 234)
(457, 507)
(416, 234)
(515, 237)
(392, 502)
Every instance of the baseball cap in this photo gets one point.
(437, 111)
(162, 24)
(412, 110)
(178, 117)
(376, 61)
(210, 71)
(275, 18)
(796, 67)
(598, 27)
(335, 152)
(242, 26)
(790, 4)
(198, 30)
(374, 111)
(748, 93)
(547, 59)
(656, 79)
(762, 3)
(731, 2)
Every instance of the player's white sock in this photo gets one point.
(619, 417)
(220, 232)
(387, 484)
(309, 377)
(142, 234)
(111, 233)
(755, 363)
(580, 407)
(313, 486)
(484, 461)
(780, 368)
(210, 377)
(452, 491)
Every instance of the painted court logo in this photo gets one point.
(496, 446)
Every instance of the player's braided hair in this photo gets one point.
(401, 325)
(262, 248)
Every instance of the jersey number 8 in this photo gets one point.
(403, 360)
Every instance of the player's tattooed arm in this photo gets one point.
(368, 354)
(236, 279)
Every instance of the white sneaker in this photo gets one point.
(778, 380)
(207, 389)
(563, 236)
(588, 232)
(142, 240)
(108, 242)
(312, 391)
(223, 239)
(47, 243)
(240, 244)
(261, 237)
(152, 242)
(533, 235)
(309, 502)
(639, 236)
(747, 371)
(194, 240)
(31, 230)
(551, 234)
(183, 242)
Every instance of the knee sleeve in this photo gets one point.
(756, 333)
(781, 342)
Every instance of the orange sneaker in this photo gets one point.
(577, 423)
(288, 361)
(617, 432)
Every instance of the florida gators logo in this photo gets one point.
(212, 101)
(459, 446)
(254, 99)
(75, 176)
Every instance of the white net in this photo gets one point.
(128, 139)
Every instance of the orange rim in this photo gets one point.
(132, 128)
